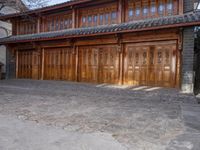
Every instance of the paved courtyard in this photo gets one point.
(56, 115)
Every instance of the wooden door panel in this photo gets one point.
(98, 64)
(35, 65)
(59, 64)
(152, 65)
(88, 62)
(28, 64)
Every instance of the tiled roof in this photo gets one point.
(191, 19)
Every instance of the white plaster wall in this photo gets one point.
(5, 30)
(8, 10)
(3, 33)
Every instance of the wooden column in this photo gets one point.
(180, 7)
(121, 72)
(42, 64)
(38, 24)
(73, 18)
(17, 64)
(17, 27)
(77, 64)
(121, 11)
(121, 51)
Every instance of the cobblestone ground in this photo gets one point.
(137, 118)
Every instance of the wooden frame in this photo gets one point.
(94, 15)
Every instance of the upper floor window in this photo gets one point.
(130, 13)
(27, 27)
(153, 7)
(101, 19)
(95, 20)
(137, 12)
(145, 11)
(142, 9)
(161, 8)
(83, 20)
(55, 23)
(100, 15)
(170, 7)
(89, 19)
(114, 17)
(106, 18)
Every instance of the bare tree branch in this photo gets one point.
(21, 5)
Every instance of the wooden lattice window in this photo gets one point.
(58, 22)
(144, 9)
(95, 16)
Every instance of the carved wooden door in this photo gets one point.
(165, 65)
(152, 65)
(109, 65)
(59, 64)
(35, 65)
(28, 64)
(88, 64)
(52, 64)
(98, 64)
(68, 64)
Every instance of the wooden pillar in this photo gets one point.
(77, 64)
(120, 51)
(180, 7)
(74, 18)
(17, 27)
(121, 67)
(121, 11)
(17, 64)
(38, 24)
(42, 64)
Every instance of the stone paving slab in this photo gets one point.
(137, 118)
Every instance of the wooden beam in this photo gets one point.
(42, 64)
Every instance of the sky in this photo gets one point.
(53, 2)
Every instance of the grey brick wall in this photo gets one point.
(188, 60)
(188, 5)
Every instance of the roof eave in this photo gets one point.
(182, 25)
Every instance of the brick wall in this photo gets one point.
(188, 52)
(188, 60)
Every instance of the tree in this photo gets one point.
(23, 6)
(32, 4)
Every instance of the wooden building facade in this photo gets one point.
(131, 42)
